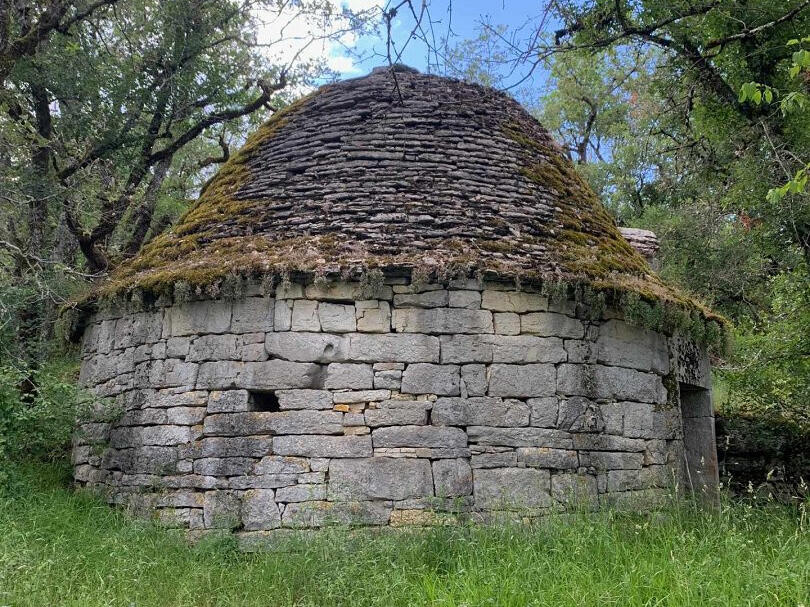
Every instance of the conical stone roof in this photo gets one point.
(397, 171)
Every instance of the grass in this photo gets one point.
(61, 548)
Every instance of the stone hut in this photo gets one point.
(397, 304)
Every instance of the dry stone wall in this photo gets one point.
(316, 404)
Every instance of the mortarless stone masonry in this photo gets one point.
(391, 422)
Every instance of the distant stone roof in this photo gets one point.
(397, 170)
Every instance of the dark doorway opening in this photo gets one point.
(700, 448)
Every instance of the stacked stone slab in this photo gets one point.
(412, 406)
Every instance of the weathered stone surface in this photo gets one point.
(513, 301)
(137, 329)
(172, 372)
(393, 348)
(360, 396)
(480, 411)
(425, 378)
(606, 442)
(198, 317)
(520, 437)
(219, 375)
(321, 514)
(429, 299)
(240, 446)
(323, 446)
(305, 316)
(345, 291)
(373, 316)
(279, 375)
(262, 481)
(611, 460)
(466, 349)
(213, 347)
(228, 401)
(282, 422)
(578, 414)
(379, 478)
(337, 318)
(506, 323)
(388, 380)
(397, 413)
(623, 345)
(259, 510)
(178, 347)
(350, 376)
(307, 347)
(504, 459)
(221, 510)
(419, 436)
(282, 315)
(544, 457)
(301, 493)
(521, 381)
(465, 299)
(304, 399)
(441, 320)
(527, 349)
(598, 381)
(473, 380)
(254, 314)
(575, 489)
(512, 488)
(223, 466)
(552, 324)
(452, 477)
(543, 411)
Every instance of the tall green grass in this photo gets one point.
(61, 548)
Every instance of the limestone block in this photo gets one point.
(393, 348)
(543, 411)
(425, 378)
(480, 411)
(307, 347)
(504, 459)
(522, 381)
(545, 457)
(388, 380)
(623, 345)
(344, 291)
(223, 466)
(379, 478)
(305, 316)
(397, 413)
(337, 318)
(351, 420)
(575, 489)
(282, 422)
(304, 399)
(637, 419)
(282, 315)
(452, 477)
(360, 396)
(373, 316)
(178, 347)
(513, 301)
(219, 375)
(350, 376)
(137, 329)
(611, 460)
(323, 446)
(466, 349)
(506, 323)
(442, 320)
(520, 437)
(598, 382)
(254, 314)
(578, 414)
(214, 347)
(185, 416)
(290, 290)
(253, 352)
(259, 510)
(238, 446)
(527, 349)
(578, 351)
(262, 481)
(512, 488)
(301, 493)
(199, 317)
(278, 464)
(429, 299)
(607, 442)
(221, 510)
(280, 375)
(167, 435)
(473, 380)
(419, 436)
(321, 514)
(552, 324)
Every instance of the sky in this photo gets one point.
(351, 56)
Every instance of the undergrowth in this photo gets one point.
(62, 548)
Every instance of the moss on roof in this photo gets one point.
(452, 178)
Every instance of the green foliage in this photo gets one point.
(57, 547)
